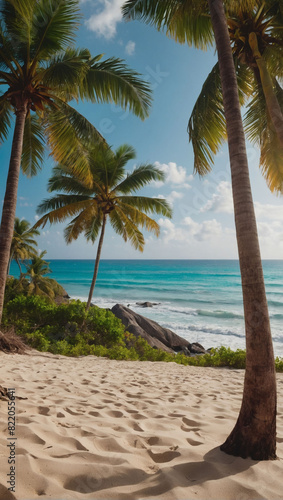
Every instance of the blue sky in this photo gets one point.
(202, 226)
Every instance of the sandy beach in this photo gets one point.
(93, 428)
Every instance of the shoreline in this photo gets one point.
(94, 428)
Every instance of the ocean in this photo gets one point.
(199, 300)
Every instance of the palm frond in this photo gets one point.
(8, 59)
(207, 125)
(113, 81)
(61, 208)
(148, 205)
(63, 180)
(185, 21)
(139, 218)
(130, 230)
(142, 175)
(88, 222)
(5, 119)
(93, 227)
(53, 28)
(33, 146)
(260, 131)
(65, 70)
(67, 132)
(17, 16)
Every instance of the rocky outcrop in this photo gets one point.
(147, 304)
(156, 335)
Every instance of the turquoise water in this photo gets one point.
(199, 300)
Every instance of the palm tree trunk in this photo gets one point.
(271, 100)
(10, 200)
(254, 434)
(97, 260)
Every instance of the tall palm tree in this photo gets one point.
(256, 40)
(108, 197)
(41, 72)
(254, 434)
(23, 242)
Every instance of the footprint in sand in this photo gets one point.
(160, 458)
(43, 410)
(193, 442)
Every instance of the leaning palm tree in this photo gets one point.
(196, 21)
(108, 197)
(23, 242)
(41, 73)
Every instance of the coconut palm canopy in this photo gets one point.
(189, 22)
(109, 196)
(41, 67)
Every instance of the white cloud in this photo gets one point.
(174, 195)
(221, 201)
(130, 48)
(191, 230)
(267, 211)
(175, 174)
(203, 230)
(106, 17)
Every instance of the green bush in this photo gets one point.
(70, 330)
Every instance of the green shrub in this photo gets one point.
(70, 330)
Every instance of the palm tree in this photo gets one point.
(254, 434)
(39, 283)
(109, 197)
(23, 242)
(256, 41)
(41, 72)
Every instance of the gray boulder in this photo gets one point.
(147, 304)
(156, 335)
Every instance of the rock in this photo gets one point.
(61, 296)
(197, 348)
(156, 335)
(147, 304)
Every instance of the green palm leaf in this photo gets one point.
(65, 70)
(54, 25)
(131, 230)
(207, 125)
(142, 175)
(185, 21)
(139, 218)
(67, 132)
(33, 146)
(260, 131)
(5, 119)
(148, 205)
(63, 180)
(87, 222)
(113, 81)
(61, 208)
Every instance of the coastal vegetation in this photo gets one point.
(72, 330)
(109, 193)
(197, 23)
(42, 72)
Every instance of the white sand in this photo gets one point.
(92, 428)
